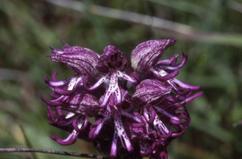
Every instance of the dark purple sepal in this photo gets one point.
(82, 60)
(147, 53)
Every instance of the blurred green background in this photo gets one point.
(209, 31)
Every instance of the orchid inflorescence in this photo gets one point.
(134, 107)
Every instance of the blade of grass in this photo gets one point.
(181, 6)
(27, 141)
(185, 31)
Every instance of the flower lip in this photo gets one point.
(111, 59)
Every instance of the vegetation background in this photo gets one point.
(209, 31)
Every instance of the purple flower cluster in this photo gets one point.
(134, 107)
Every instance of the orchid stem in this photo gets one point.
(53, 152)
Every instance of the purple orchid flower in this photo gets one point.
(134, 106)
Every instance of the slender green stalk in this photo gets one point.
(48, 151)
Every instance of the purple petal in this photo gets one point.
(163, 75)
(76, 99)
(96, 128)
(57, 118)
(111, 59)
(113, 152)
(179, 65)
(82, 60)
(98, 83)
(70, 139)
(80, 124)
(149, 114)
(130, 116)
(167, 62)
(57, 101)
(115, 98)
(147, 53)
(69, 115)
(113, 89)
(119, 128)
(74, 82)
(183, 85)
(126, 77)
(56, 83)
(159, 125)
(173, 119)
(150, 90)
(191, 98)
(53, 82)
(89, 100)
(66, 87)
(174, 63)
(61, 91)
